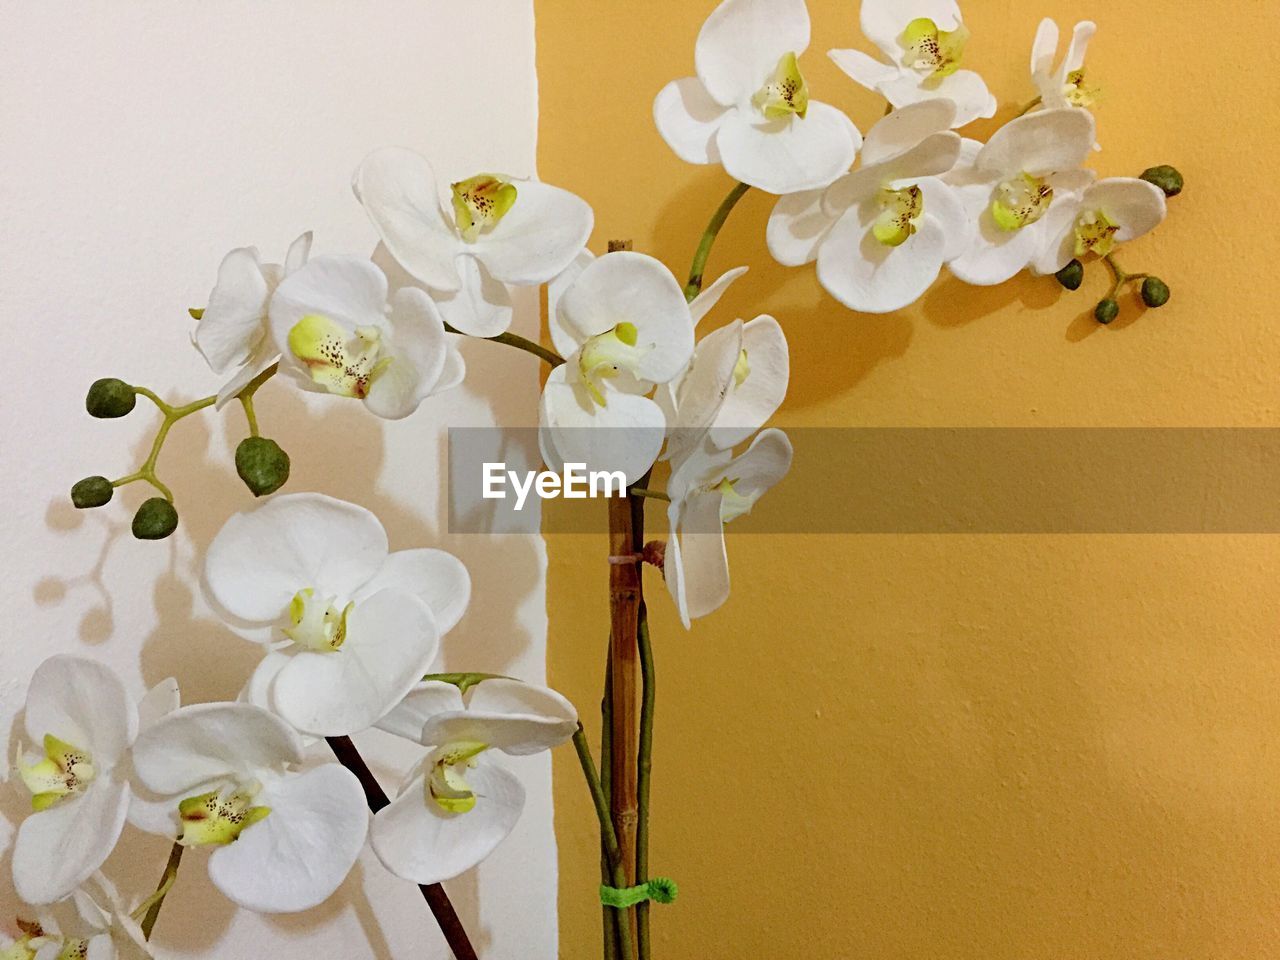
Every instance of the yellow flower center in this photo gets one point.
(1078, 92)
(931, 52)
(342, 365)
(732, 503)
(219, 817)
(785, 94)
(447, 783)
(74, 948)
(480, 202)
(1095, 233)
(65, 770)
(1021, 201)
(900, 213)
(315, 623)
(606, 355)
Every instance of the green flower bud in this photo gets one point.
(1106, 311)
(1072, 275)
(110, 397)
(1165, 177)
(262, 465)
(92, 492)
(1155, 292)
(155, 519)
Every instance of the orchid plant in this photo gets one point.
(349, 631)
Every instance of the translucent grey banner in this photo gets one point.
(927, 480)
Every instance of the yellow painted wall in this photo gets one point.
(959, 746)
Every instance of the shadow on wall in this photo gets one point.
(338, 448)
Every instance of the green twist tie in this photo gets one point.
(659, 890)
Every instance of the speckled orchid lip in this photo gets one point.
(933, 52)
(1020, 201)
(66, 770)
(785, 94)
(220, 816)
(1095, 233)
(480, 203)
(345, 366)
(900, 213)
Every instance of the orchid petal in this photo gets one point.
(742, 41)
(82, 702)
(751, 403)
(787, 156)
(436, 577)
(538, 237)
(1047, 141)
(58, 849)
(797, 225)
(232, 322)
(688, 117)
(416, 349)
(903, 129)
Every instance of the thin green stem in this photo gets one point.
(607, 833)
(694, 286)
(246, 401)
(150, 908)
(520, 343)
(648, 701)
(611, 918)
(1121, 277)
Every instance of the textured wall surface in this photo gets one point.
(971, 747)
(141, 143)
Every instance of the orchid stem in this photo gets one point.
(151, 906)
(648, 701)
(608, 835)
(520, 343)
(610, 916)
(433, 893)
(173, 414)
(650, 494)
(1029, 107)
(1121, 278)
(694, 286)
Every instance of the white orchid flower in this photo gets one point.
(625, 327)
(493, 231)
(339, 332)
(84, 722)
(94, 932)
(708, 489)
(232, 332)
(360, 625)
(456, 805)
(1065, 85)
(282, 840)
(1029, 167)
(749, 108)
(924, 42)
(1106, 214)
(735, 383)
(881, 234)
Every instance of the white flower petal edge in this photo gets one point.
(913, 75)
(707, 490)
(232, 330)
(1108, 213)
(81, 717)
(339, 331)
(282, 841)
(457, 805)
(749, 108)
(360, 625)
(527, 241)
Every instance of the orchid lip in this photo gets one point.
(316, 623)
(785, 94)
(446, 785)
(934, 53)
(900, 213)
(219, 817)
(608, 354)
(343, 365)
(66, 770)
(1095, 233)
(480, 203)
(1020, 201)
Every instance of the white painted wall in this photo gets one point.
(140, 142)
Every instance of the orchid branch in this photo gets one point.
(608, 834)
(441, 907)
(520, 343)
(648, 702)
(694, 286)
(150, 908)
